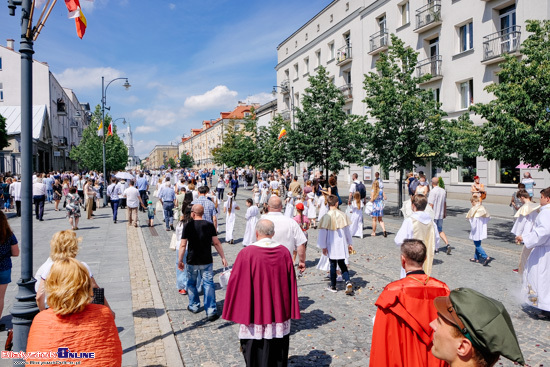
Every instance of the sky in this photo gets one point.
(186, 60)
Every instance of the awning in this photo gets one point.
(13, 119)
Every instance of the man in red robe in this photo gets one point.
(402, 335)
(262, 296)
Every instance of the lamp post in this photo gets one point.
(285, 88)
(103, 102)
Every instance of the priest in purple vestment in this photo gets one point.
(262, 296)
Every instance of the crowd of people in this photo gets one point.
(419, 320)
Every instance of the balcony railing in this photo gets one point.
(347, 91)
(428, 14)
(502, 42)
(285, 86)
(378, 40)
(285, 114)
(430, 66)
(343, 55)
(73, 123)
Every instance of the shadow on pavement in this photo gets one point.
(535, 313)
(148, 313)
(310, 320)
(314, 358)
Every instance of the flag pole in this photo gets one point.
(41, 25)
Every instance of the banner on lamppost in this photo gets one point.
(367, 173)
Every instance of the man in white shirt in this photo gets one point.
(437, 198)
(380, 182)
(39, 197)
(15, 192)
(287, 231)
(274, 185)
(133, 200)
(353, 187)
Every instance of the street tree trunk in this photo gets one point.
(400, 195)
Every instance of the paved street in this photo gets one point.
(335, 329)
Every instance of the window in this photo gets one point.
(347, 6)
(296, 71)
(435, 93)
(331, 18)
(317, 58)
(296, 99)
(331, 51)
(1, 92)
(467, 172)
(295, 44)
(306, 65)
(306, 37)
(507, 173)
(0, 63)
(347, 77)
(318, 27)
(347, 39)
(382, 23)
(405, 14)
(287, 50)
(466, 94)
(467, 37)
(287, 74)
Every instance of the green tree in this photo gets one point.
(170, 163)
(324, 135)
(518, 119)
(186, 160)
(408, 127)
(89, 153)
(3, 133)
(272, 151)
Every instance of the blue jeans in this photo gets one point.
(181, 276)
(114, 207)
(480, 253)
(206, 272)
(343, 267)
(168, 208)
(49, 194)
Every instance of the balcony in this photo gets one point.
(499, 43)
(378, 42)
(347, 91)
(428, 16)
(430, 66)
(343, 56)
(285, 86)
(73, 123)
(63, 141)
(285, 114)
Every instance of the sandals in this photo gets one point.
(487, 261)
(373, 234)
(474, 261)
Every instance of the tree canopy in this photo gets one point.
(272, 151)
(3, 133)
(518, 119)
(186, 160)
(239, 147)
(89, 153)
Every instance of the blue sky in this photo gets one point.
(187, 60)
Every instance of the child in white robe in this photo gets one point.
(256, 192)
(478, 217)
(251, 220)
(524, 224)
(289, 208)
(322, 205)
(229, 209)
(356, 227)
(311, 209)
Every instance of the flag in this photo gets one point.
(282, 133)
(100, 129)
(73, 6)
(110, 129)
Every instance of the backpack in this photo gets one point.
(360, 187)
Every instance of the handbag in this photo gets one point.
(368, 208)
(65, 203)
(483, 195)
(174, 242)
(94, 206)
(224, 277)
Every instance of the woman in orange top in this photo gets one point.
(478, 189)
(73, 328)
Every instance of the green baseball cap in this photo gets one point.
(483, 320)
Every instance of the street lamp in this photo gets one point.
(103, 102)
(284, 88)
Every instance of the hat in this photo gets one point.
(289, 194)
(476, 177)
(149, 202)
(483, 320)
(300, 206)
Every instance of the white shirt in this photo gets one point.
(132, 197)
(287, 231)
(38, 189)
(274, 185)
(437, 198)
(353, 187)
(15, 190)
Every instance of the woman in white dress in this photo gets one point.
(256, 192)
(229, 209)
(289, 208)
(322, 205)
(311, 209)
(251, 220)
(356, 228)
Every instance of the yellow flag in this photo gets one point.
(100, 129)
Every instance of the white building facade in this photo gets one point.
(460, 43)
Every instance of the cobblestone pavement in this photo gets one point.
(335, 329)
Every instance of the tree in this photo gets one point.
(518, 119)
(3, 133)
(272, 151)
(408, 127)
(89, 153)
(170, 163)
(186, 160)
(324, 135)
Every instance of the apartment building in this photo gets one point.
(159, 155)
(58, 116)
(460, 43)
(200, 143)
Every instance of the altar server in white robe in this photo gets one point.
(356, 228)
(311, 209)
(536, 287)
(524, 224)
(251, 220)
(229, 209)
(289, 208)
(420, 225)
(322, 205)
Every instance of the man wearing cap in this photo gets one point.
(473, 330)
(401, 335)
(536, 287)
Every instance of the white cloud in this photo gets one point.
(172, 6)
(144, 147)
(158, 117)
(86, 78)
(260, 98)
(145, 129)
(220, 96)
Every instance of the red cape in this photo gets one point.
(402, 335)
(262, 288)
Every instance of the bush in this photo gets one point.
(440, 183)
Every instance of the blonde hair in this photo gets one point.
(191, 187)
(69, 287)
(357, 197)
(64, 244)
(376, 189)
